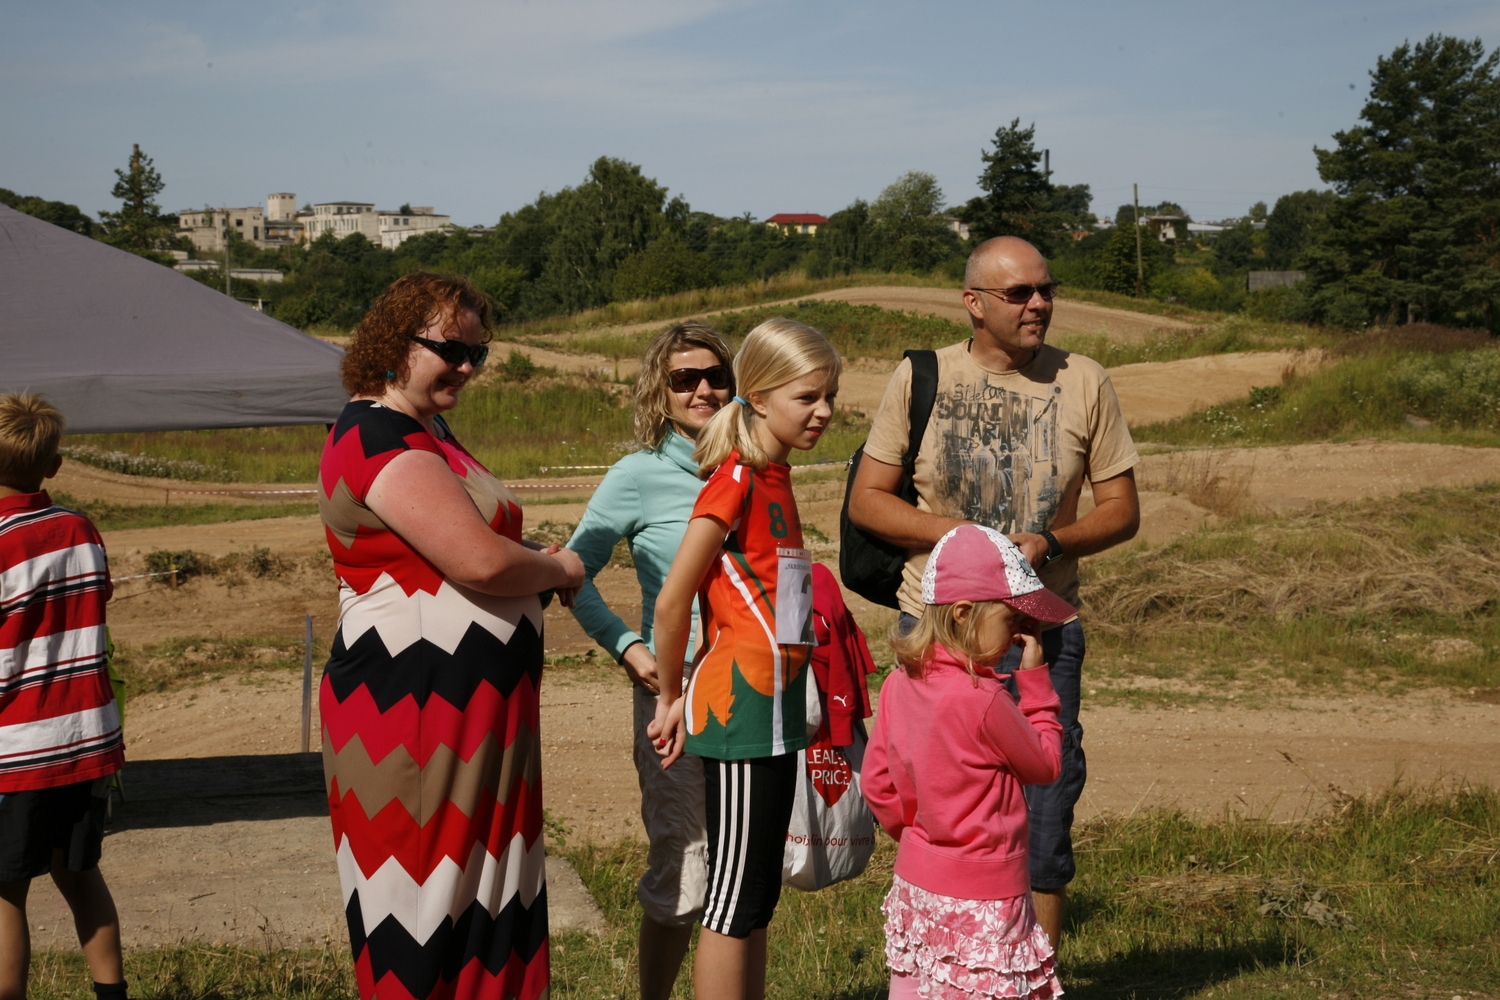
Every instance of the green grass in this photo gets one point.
(706, 301)
(195, 971)
(1166, 905)
(1390, 896)
(1151, 307)
(857, 331)
(1385, 594)
(514, 430)
(250, 454)
(1450, 398)
(116, 517)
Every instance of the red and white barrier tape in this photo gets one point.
(553, 486)
(138, 576)
(245, 493)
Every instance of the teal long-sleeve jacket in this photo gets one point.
(646, 498)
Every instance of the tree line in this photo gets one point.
(1409, 229)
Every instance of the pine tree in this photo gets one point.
(1415, 234)
(1020, 199)
(139, 226)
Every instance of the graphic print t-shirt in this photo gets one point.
(748, 696)
(1009, 450)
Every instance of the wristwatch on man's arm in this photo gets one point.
(1054, 548)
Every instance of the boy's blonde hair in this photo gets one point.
(30, 430)
(774, 353)
(939, 627)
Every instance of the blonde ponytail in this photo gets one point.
(774, 353)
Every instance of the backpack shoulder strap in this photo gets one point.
(923, 395)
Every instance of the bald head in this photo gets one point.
(1008, 253)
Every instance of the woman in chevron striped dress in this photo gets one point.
(429, 702)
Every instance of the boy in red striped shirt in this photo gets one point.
(60, 739)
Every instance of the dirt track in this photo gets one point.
(254, 865)
(1069, 316)
(256, 868)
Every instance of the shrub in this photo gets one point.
(1460, 388)
(518, 367)
(144, 465)
(187, 563)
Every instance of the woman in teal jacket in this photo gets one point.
(647, 499)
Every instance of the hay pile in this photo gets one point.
(1431, 553)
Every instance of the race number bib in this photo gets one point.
(794, 599)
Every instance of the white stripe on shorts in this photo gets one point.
(734, 837)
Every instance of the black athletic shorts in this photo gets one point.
(749, 807)
(69, 818)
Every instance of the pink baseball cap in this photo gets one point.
(974, 563)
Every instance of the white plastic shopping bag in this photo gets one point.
(832, 833)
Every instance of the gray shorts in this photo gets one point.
(672, 890)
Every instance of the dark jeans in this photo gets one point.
(1050, 807)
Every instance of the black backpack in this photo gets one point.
(869, 566)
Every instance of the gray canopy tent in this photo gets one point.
(119, 343)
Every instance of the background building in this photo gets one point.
(398, 227)
(342, 218)
(280, 223)
(797, 222)
(206, 227)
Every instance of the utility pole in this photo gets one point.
(1140, 267)
(226, 252)
(1047, 164)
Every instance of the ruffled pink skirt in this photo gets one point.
(965, 949)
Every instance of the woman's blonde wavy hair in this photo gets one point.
(774, 353)
(653, 396)
(939, 627)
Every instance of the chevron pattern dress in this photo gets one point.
(431, 745)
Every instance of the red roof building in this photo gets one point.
(797, 222)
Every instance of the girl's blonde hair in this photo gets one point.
(939, 627)
(774, 353)
(653, 396)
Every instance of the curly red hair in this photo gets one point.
(382, 341)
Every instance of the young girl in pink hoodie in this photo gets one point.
(943, 775)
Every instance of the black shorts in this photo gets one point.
(749, 807)
(69, 818)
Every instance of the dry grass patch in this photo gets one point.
(1204, 480)
(1383, 590)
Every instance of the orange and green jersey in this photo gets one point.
(748, 696)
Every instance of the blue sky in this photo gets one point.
(756, 107)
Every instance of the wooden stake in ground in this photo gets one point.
(307, 650)
(1140, 267)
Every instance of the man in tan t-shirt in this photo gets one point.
(1016, 428)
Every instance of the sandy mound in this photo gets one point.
(1295, 476)
(1166, 390)
(1068, 316)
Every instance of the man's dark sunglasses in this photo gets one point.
(1019, 295)
(455, 352)
(687, 379)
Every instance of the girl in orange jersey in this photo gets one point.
(744, 712)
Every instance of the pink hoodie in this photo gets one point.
(944, 770)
